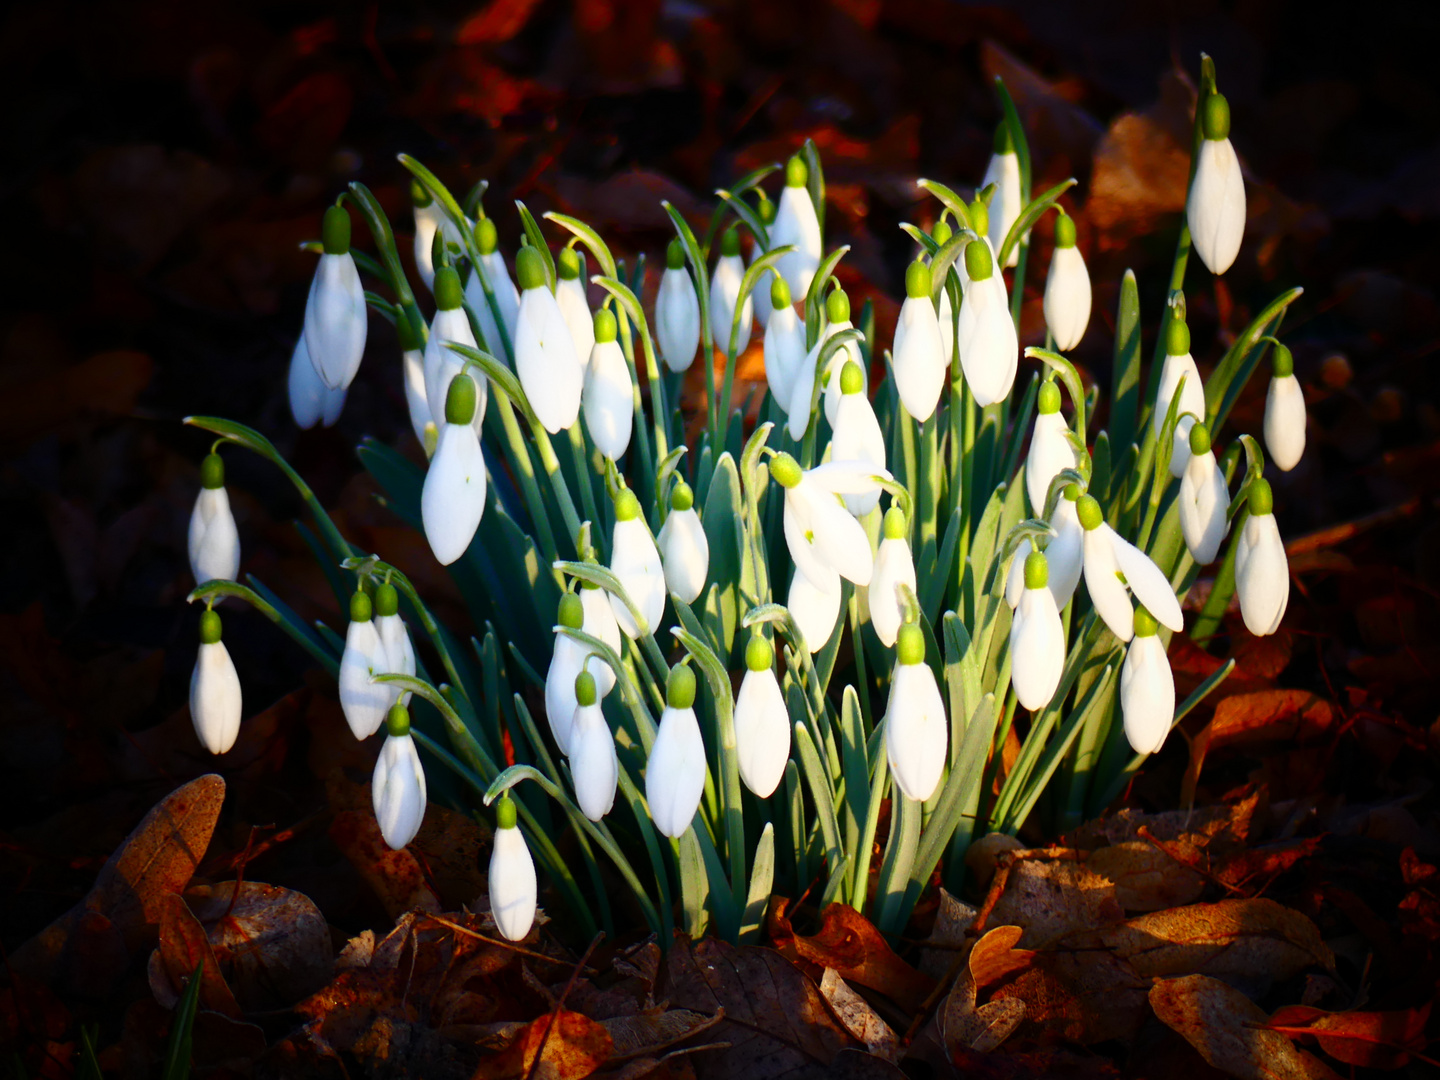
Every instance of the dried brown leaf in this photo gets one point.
(1085, 996)
(1051, 898)
(859, 1018)
(396, 876)
(1374, 1040)
(650, 1033)
(1146, 879)
(560, 1046)
(849, 943)
(184, 948)
(273, 943)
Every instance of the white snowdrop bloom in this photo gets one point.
(1005, 206)
(214, 542)
(412, 359)
(335, 316)
(452, 500)
(1262, 571)
(917, 734)
(1284, 412)
(1067, 288)
(675, 771)
(1037, 638)
(1215, 209)
(1065, 554)
(989, 349)
(567, 660)
(442, 364)
(837, 313)
(724, 291)
(608, 399)
(574, 306)
(397, 789)
(1108, 556)
(819, 530)
(761, 295)
(684, 549)
(430, 218)
(311, 401)
(1147, 688)
(894, 566)
(1050, 449)
(545, 360)
(1179, 364)
(512, 875)
(784, 345)
(594, 767)
(506, 298)
(394, 638)
(919, 358)
(1204, 499)
(599, 622)
(215, 703)
(677, 312)
(363, 702)
(762, 722)
(815, 606)
(797, 223)
(635, 560)
(858, 437)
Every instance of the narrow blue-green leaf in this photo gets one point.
(538, 242)
(589, 237)
(1125, 377)
(1029, 216)
(953, 202)
(762, 884)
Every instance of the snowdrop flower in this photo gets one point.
(762, 722)
(684, 550)
(1204, 499)
(815, 606)
(1262, 572)
(506, 298)
(430, 218)
(570, 296)
(1179, 364)
(1147, 688)
(594, 767)
(797, 223)
(1004, 172)
(567, 660)
(1284, 412)
(609, 396)
(858, 437)
(599, 622)
(989, 350)
(214, 543)
(1215, 209)
(765, 211)
(450, 324)
(980, 226)
(1037, 638)
(919, 350)
(821, 533)
(1067, 288)
(675, 772)
(677, 312)
(837, 313)
(784, 345)
(335, 317)
(512, 875)
(1064, 553)
(725, 291)
(1108, 556)
(363, 702)
(635, 560)
(394, 638)
(214, 689)
(545, 359)
(452, 500)
(1050, 449)
(397, 789)
(311, 401)
(916, 732)
(422, 417)
(894, 566)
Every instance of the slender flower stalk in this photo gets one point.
(916, 731)
(512, 875)
(215, 703)
(397, 789)
(675, 773)
(684, 549)
(1147, 688)
(214, 542)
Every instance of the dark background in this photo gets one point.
(166, 160)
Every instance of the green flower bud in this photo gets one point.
(1282, 362)
(837, 306)
(1004, 140)
(627, 506)
(895, 524)
(1262, 499)
(606, 328)
(212, 471)
(785, 470)
(1089, 513)
(1072, 491)
(942, 232)
(759, 654)
(448, 293)
(730, 241)
(1199, 439)
(584, 688)
(209, 626)
(572, 611)
(529, 268)
(420, 194)
(779, 293)
(682, 497)
(1049, 397)
(568, 264)
(397, 720)
(978, 263)
(979, 216)
(1064, 231)
(487, 239)
(1145, 623)
(680, 687)
(1037, 570)
(796, 172)
(505, 813)
(335, 231)
(765, 210)
(387, 599)
(917, 281)
(910, 644)
(1217, 117)
(852, 379)
(460, 400)
(360, 607)
(675, 255)
(1177, 338)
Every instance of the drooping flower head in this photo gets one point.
(762, 722)
(920, 366)
(797, 224)
(857, 436)
(1147, 688)
(394, 637)
(1004, 172)
(570, 296)
(989, 349)
(215, 703)
(442, 364)
(609, 396)
(1115, 568)
(593, 763)
(335, 316)
(1262, 570)
(635, 560)
(214, 542)
(507, 300)
(1284, 412)
(512, 875)
(545, 359)
(784, 345)
(1179, 364)
(916, 732)
(1037, 638)
(894, 566)
(684, 549)
(363, 702)
(725, 292)
(452, 500)
(1050, 449)
(397, 790)
(677, 311)
(822, 535)
(1204, 499)
(675, 771)
(1215, 209)
(765, 211)
(1067, 288)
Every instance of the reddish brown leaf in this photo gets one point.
(273, 943)
(1375, 1040)
(1269, 715)
(563, 1045)
(499, 20)
(1085, 996)
(1051, 898)
(995, 956)
(396, 876)
(1146, 878)
(849, 943)
(184, 948)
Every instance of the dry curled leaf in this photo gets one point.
(849, 943)
(1373, 1040)
(183, 953)
(653, 1032)
(1145, 878)
(859, 1018)
(396, 876)
(561, 1046)
(272, 943)
(1051, 898)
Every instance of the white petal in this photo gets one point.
(784, 355)
(575, 309)
(760, 295)
(593, 764)
(841, 477)
(609, 400)
(685, 553)
(442, 365)
(724, 290)
(635, 560)
(947, 327)
(1108, 594)
(919, 357)
(830, 378)
(1065, 552)
(1037, 649)
(1215, 209)
(762, 732)
(797, 223)
(1015, 580)
(1050, 451)
(802, 391)
(1203, 501)
(213, 541)
(507, 296)
(1285, 422)
(399, 652)
(1262, 575)
(427, 220)
(545, 360)
(311, 401)
(600, 623)
(675, 772)
(1147, 694)
(512, 884)
(565, 664)
(1192, 401)
(858, 438)
(677, 319)
(1149, 584)
(215, 703)
(1004, 172)
(916, 732)
(453, 498)
(894, 566)
(815, 607)
(364, 703)
(989, 351)
(480, 305)
(335, 320)
(836, 538)
(415, 400)
(398, 791)
(1067, 298)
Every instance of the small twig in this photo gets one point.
(560, 1004)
